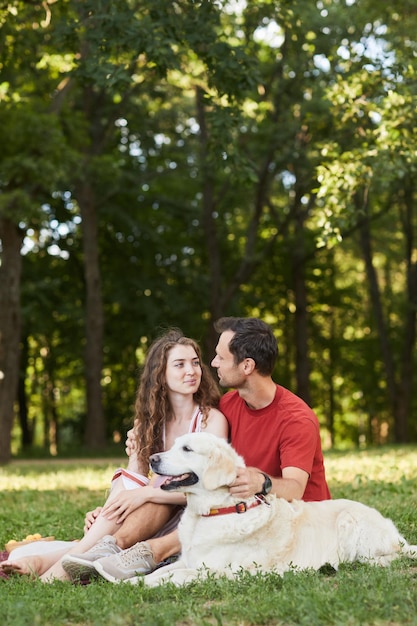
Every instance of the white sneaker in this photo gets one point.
(128, 563)
(81, 566)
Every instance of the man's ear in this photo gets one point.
(221, 471)
(248, 366)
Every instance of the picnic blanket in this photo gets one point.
(3, 557)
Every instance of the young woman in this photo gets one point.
(176, 395)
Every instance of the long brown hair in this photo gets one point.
(152, 407)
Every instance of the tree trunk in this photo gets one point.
(10, 274)
(394, 392)
(95, 432)
(301, 310)
(221, 296)
(332, 365)
(208, 221)
(405, 386)
(25, 426)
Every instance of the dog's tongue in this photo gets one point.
(160, 480)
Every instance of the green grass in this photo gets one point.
(51, 498)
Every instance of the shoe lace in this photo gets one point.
(134, 554)
(105, 544)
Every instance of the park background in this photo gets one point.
(167, 163)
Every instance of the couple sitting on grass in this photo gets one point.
(272, 429)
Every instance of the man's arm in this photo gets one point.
(250, 480)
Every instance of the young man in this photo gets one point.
(274, 430)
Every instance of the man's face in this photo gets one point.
(230, 374)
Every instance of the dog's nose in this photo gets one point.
(154, 458)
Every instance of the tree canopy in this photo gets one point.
(169, 163)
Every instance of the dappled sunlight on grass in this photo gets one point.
(45, 476)
(384, 478)
(388, 465)
(384, 464)
(51, 498)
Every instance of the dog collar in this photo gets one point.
(240, 507)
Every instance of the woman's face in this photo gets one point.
(183, 370)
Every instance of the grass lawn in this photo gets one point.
(51, 497)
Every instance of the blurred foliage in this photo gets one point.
(234, 150)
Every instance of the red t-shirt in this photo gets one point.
(286, 433)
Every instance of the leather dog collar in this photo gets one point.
(240, 507)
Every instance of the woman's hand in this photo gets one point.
(90, 518)
(124, 503)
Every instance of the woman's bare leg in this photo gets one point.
(101, 527)
(141, 524)
(32, 565)
(48, 565)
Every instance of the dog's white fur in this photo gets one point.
(274, 536)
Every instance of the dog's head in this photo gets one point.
(197, 460)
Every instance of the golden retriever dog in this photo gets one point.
(220, 534)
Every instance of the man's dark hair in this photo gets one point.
(253, 339)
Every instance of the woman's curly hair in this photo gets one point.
(152, 407)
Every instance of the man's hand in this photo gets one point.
(249, 480)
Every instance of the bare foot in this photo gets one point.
(27, 565)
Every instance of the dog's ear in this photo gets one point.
(220, 472)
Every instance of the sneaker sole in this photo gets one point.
(79, 569)
(99, 569)
(112, 579)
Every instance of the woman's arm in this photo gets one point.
(127, 501)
